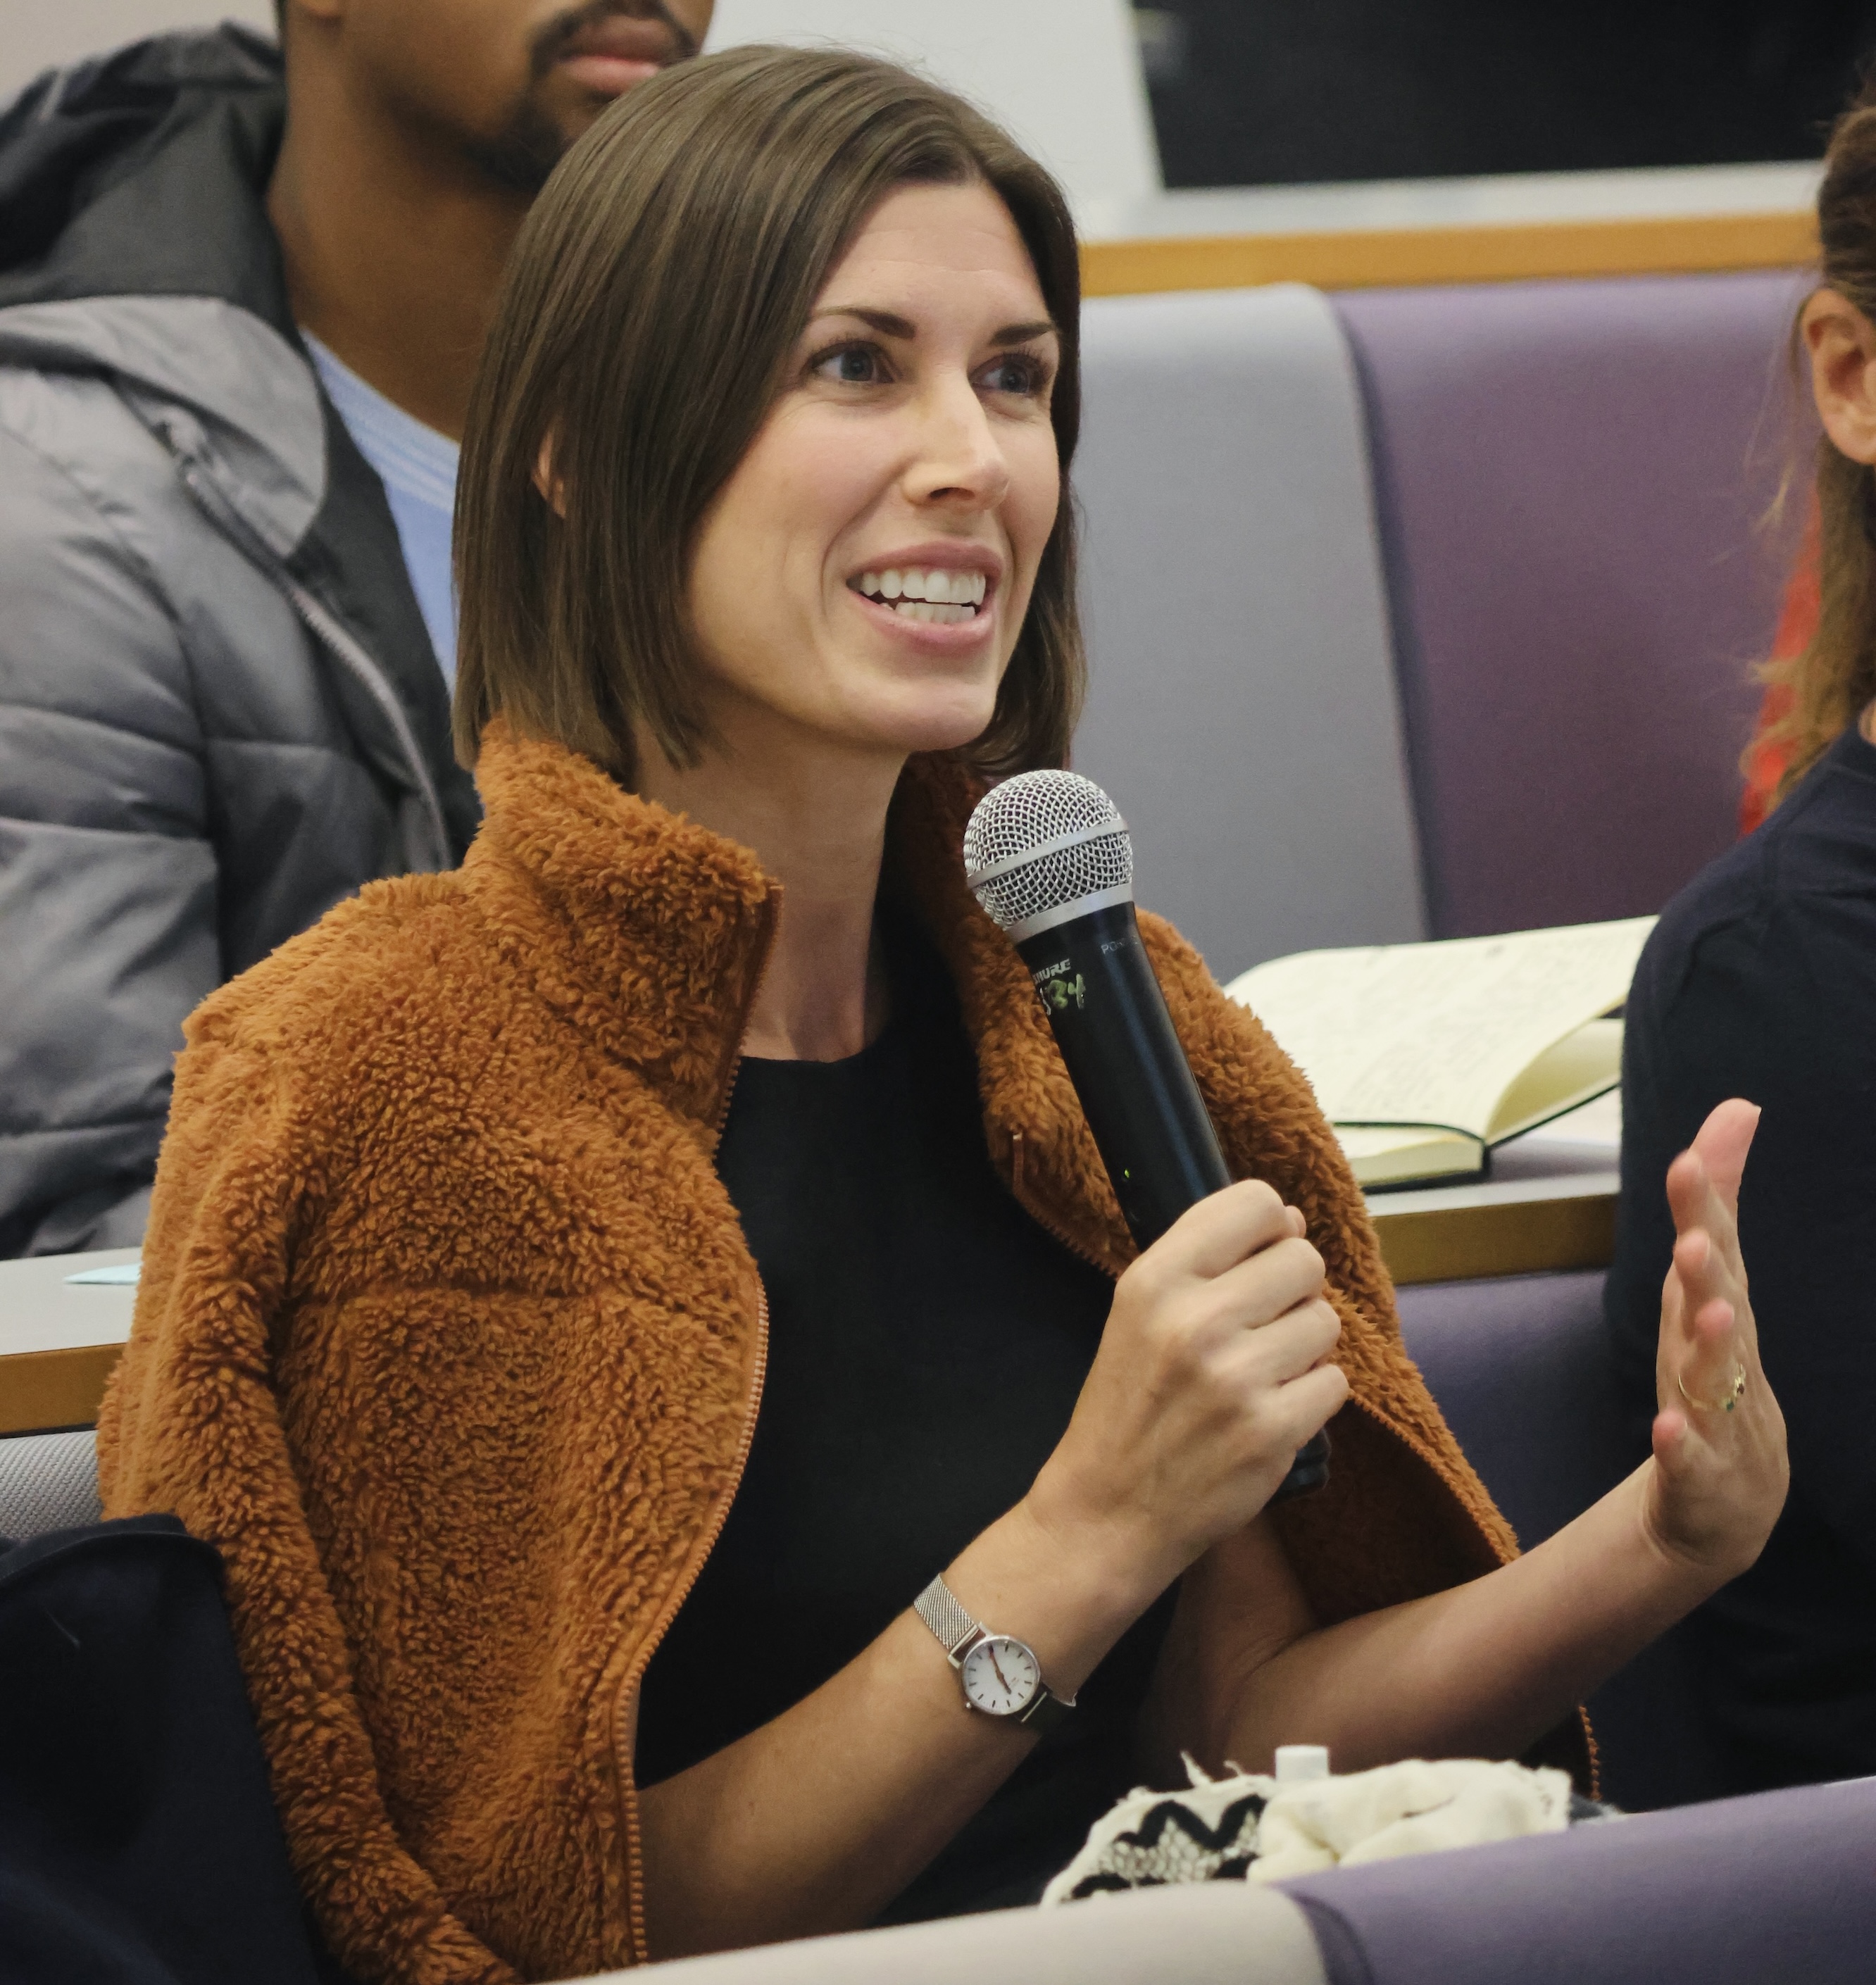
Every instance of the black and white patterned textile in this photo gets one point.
(1251, 1827)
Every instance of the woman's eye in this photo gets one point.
(1020, 372)
(852, 365)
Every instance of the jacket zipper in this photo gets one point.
(723, 1108)
(1053, 1228)
(628, 1693)
(722, 1115)
(628, 1689)
(325, 628)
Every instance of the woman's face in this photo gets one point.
(862, 578)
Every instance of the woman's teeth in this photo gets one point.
(938, 595)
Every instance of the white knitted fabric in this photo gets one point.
(1251, 1828)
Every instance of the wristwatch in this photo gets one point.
(1000, 1675)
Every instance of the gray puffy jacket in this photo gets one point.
(219, 712)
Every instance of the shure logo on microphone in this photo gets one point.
(1055, 989)
(1050, 972)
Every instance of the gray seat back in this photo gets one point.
(48, 1481)
(1242, 707)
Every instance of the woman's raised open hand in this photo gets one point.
(1720, 1473)
(1207, 1380)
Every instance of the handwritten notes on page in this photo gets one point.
(1454, 1031)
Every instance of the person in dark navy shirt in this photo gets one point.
(1760, 982)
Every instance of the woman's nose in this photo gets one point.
(958, 460)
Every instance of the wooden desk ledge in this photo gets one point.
(1521, 1227)
(1386, 258)
(59, 1339)
(1492, 228)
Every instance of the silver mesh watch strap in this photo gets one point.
(937, 1606)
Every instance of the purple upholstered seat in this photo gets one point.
(1568, 476)
(1519, 1367)
(1781, 1886)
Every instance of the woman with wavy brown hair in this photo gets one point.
(696, 1459)
(1760, 980)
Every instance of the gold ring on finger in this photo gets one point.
(1735, 1393)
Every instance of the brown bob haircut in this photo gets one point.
(656, 296)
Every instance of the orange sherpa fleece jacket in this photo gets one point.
(448, 1338)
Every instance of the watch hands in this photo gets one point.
(1000, 1676)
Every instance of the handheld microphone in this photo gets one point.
(1047, 854)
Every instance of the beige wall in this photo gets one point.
(1063, 75)
(40, 34)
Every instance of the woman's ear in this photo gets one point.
(1842, 344)
(553, 494)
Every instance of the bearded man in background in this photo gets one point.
(243, 295)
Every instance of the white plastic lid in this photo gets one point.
(1297, 1762)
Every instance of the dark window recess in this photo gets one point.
(1260, 93)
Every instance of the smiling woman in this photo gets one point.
(644, 1318)
(912, 441)
(647, 387)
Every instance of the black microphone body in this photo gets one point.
(1150, 1124)
(1136, 1089)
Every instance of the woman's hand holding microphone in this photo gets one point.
(1212, 1374)
(1209, 1378)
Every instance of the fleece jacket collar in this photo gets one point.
(618, 907)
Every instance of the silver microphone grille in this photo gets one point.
(1040, 844)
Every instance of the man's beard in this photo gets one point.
(523, 156)
(530, 147)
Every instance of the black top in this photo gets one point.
(927, 1342)
(1760, 982)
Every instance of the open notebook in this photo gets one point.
(1425, 1056)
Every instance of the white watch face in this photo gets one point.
(1000, 1676)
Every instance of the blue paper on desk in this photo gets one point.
(119, 1274)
